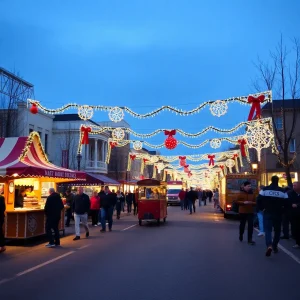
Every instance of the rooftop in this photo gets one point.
(16, 78)
(277, 104)
(70, 117)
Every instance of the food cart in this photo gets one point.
(152, 200)
(230, 190)
(25, 178)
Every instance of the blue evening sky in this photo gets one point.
(144, 54)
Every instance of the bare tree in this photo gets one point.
(13, 90)
(68, 142)
(281, 75)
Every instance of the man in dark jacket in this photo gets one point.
(129, 200)
(271, 200)
(209, 195)
(2, 212)
(81, 207)
(107, 203)
(69, 203)
(53, 208)
(294, 204)
(192, 196)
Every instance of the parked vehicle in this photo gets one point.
(173, 190)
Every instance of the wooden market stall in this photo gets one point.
(25, 178)
(93, 182)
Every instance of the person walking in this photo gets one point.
(246, 202)
(271, 200)
(53, 208)
(81, 209)
(129, 200)
(260, 216)
(200, 197)
(100, 194)
(204, 197)
(95, 207)
(181, 196)
(216, 197)
(135, 202)
(119, 203)
(209, 195)
(2, 216)
(107, 204)
(192, 196)
(294, 204)
(186, 200)
(69, 209)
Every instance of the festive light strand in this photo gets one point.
(242, 100)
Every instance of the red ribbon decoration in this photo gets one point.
(113, 144)
(190, 174)
(85, 136)
(256, 101)
(211, 159)
(132, 157)
(182, 157)
(235, 156)
(182, 162)
(186, 168)
(242, 143)
(145, 160)
(221, 167)
(170, 133)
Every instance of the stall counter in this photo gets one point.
(28, 223)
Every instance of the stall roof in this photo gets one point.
(93, 179)
(25, 157)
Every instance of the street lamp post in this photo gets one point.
(254, 167)
(79, 157)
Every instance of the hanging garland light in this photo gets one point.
(85, 112)
(119, 117)
(116, 114)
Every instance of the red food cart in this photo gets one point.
(152, 200)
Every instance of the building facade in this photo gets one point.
(270, 164)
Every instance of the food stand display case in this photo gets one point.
(25, 178)
(152, 200)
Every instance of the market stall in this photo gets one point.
(25, 178)
(93, 182)
(130, 185)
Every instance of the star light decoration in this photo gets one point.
(85, 112)
(259, 136)
(137, 145)
(215, 143)
(218, 108)
(118, 134)
(116, 114)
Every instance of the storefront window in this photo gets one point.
(282, 178)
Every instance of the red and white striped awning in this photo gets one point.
(25, 157)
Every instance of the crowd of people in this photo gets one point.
(276, 208)
(188, 198)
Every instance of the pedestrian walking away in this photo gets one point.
(2, 216)
(181, 196)
(119, 203)
(216, 196)
(129, 201)
(107, 203)
(200, 196)
(69, 206)
(246, 202)
(95, 207)
(271, 200)
(192, 196)
(294, 204)
(81, 209)
(53, 208)
(186, 200)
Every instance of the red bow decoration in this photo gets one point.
(85, 136)
(256, 101)
(186, 168)
(145, 160)
(113, 144)
(235, 156)
(170, 133)
(132, 157)
(242, 143)
(211, 160)
(221, 167)
(182, 162)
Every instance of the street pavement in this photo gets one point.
(190, 257)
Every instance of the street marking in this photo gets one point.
(287, 252)
(85, 246)
(44, 264)
(129, 227)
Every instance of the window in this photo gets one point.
(46, 142)
(278, 123)
(30, 130)
(292, 145)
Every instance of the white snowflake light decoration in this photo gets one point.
(137, 145)
(259, 136)
(118, 134)
(218, 108)
(215, 143)
(116, 114)
(230, 163)
(85, 112)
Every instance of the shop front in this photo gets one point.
(93, 183)
(128, 186)
(266, 178)
(25, 178)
